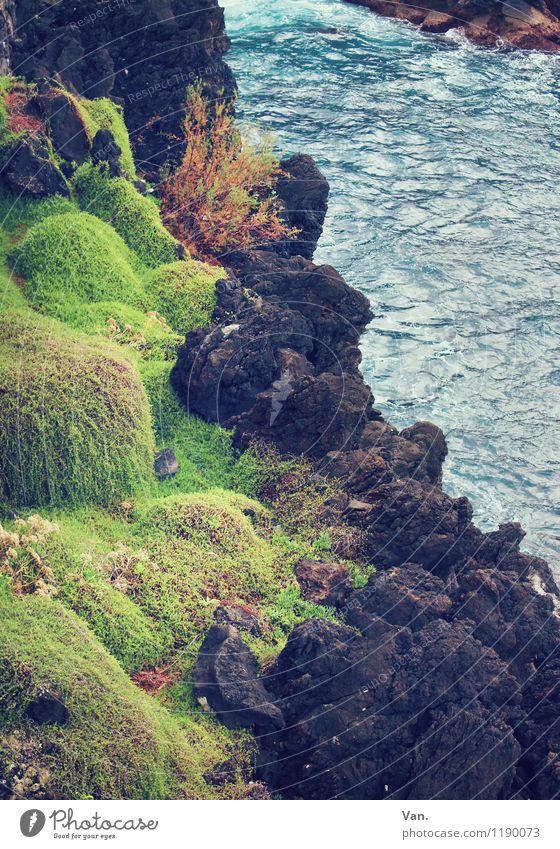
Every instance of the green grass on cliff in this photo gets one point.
(203, 450)
(145, 333)
(71, 259)
(75, 419)
(103, 114)
(185, 293)
(119, 742)
(127, 579)
(134, 217)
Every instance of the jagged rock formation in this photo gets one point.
(304, 192)
(432, 687)
(7, 19)
(515, 23)
(143, 53)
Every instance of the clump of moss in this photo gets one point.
(185, 293)
(74, 416)
(290, 485)
(71, 259)
(19, 213)
(144, 332)
(134, 217)
(201, 550)
(118, 741)
(103, 114)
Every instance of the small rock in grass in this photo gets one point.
(165, 464)
(48, 709)
(323, 583)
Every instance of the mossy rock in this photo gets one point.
(185, 293)
(135, 217)
(118, 741)
(74, 416)
(103, 114)
(71, 259)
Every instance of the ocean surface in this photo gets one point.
(444, 166)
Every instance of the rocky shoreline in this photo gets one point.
(443, 682)
(489, 23)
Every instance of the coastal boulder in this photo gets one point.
(304, 193)
(30, 170)
(226, 678)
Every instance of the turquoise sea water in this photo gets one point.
(444, 165)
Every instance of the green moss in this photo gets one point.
(17, 214)
(134, 217)
(185, 293)
(117, 621)
(103, 114)
(118, 742)
(75, 419)
(197, 551)
(71, 259)
(11, 295)
(204, 451)
(146, 333)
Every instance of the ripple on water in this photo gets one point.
(444, 165)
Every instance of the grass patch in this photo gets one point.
(18, 214)
(75, 419)
(74, 258)
(185, 293)
(146, 333)
(134, 217)
(118, 742)
(203, 450)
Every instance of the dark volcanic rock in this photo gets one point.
(48, 709)
(422, 524)
(409, 596)
(304, 192)
(105, 149)
(240, 617)
(166, 464)
(489, 23)
(144, 53)
(30, 170)
(337, 314)
(220, 371)
(65, 126)
(417, 452)
(226, 677)
(312, 415)
(323, 583)
(391, 714)
(7, 24)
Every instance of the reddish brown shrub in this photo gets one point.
(221, 197)
(20, 120)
